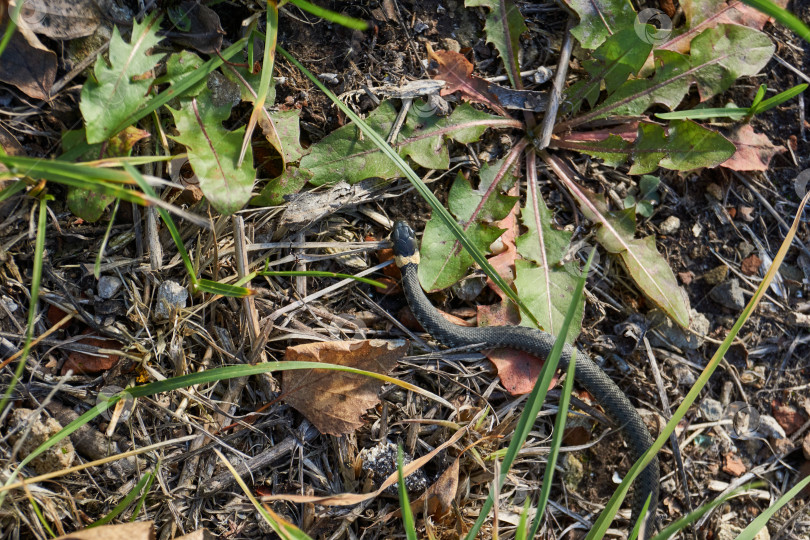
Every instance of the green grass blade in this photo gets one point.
(319, 273)
(556, 443)
(533, 403)
(11, 26)
(421, 188)
(778, 99)
(36, 277)
(404, 503)
(735, 113)
(782, 15)
(331, 16)
(641, 519)
(125, 502)
(762, 520)
(104, 240)
(285, 530)
(167, 219)
(606, 517)
(223, 289)
(12, 189)
(696, 514)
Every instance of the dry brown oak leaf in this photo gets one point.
(334, 401)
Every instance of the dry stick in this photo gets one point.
(288, 445)
(771, 209)
(44, 335)
(673, 439)
(248, 302)
(556, 92)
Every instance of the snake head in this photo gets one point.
(404, 239)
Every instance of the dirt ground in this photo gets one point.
(767, 368)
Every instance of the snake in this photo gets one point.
(539, 344)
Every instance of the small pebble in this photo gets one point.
(729, 294)
(171, 296)
(670, 225)
(769, 427)
(716, 275)
(711, 409)
(684, 376)
(108, 286)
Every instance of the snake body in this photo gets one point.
(539, 344)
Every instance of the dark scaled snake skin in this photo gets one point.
(539, 344)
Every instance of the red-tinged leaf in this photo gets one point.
(701, 15)
(754, 150)
(90, 363)
(456, 71)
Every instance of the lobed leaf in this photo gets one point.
(119, 89)
(213, 150)
(503, 29)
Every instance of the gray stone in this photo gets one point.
(108, 286)
(769, 427)
(684, 376)
(729, 294)
(674, 334)
(171, 296)
(711, 409)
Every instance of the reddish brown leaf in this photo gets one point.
(754, 150)
(456, 71)
(28, 64)
(335, 401)
(82, 362)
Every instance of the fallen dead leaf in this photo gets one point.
(28, 64)
(335, 401)
(754, 150)
(60, 19)
(456, 71)
(140, 530)
(204, 31)
(82, 362)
